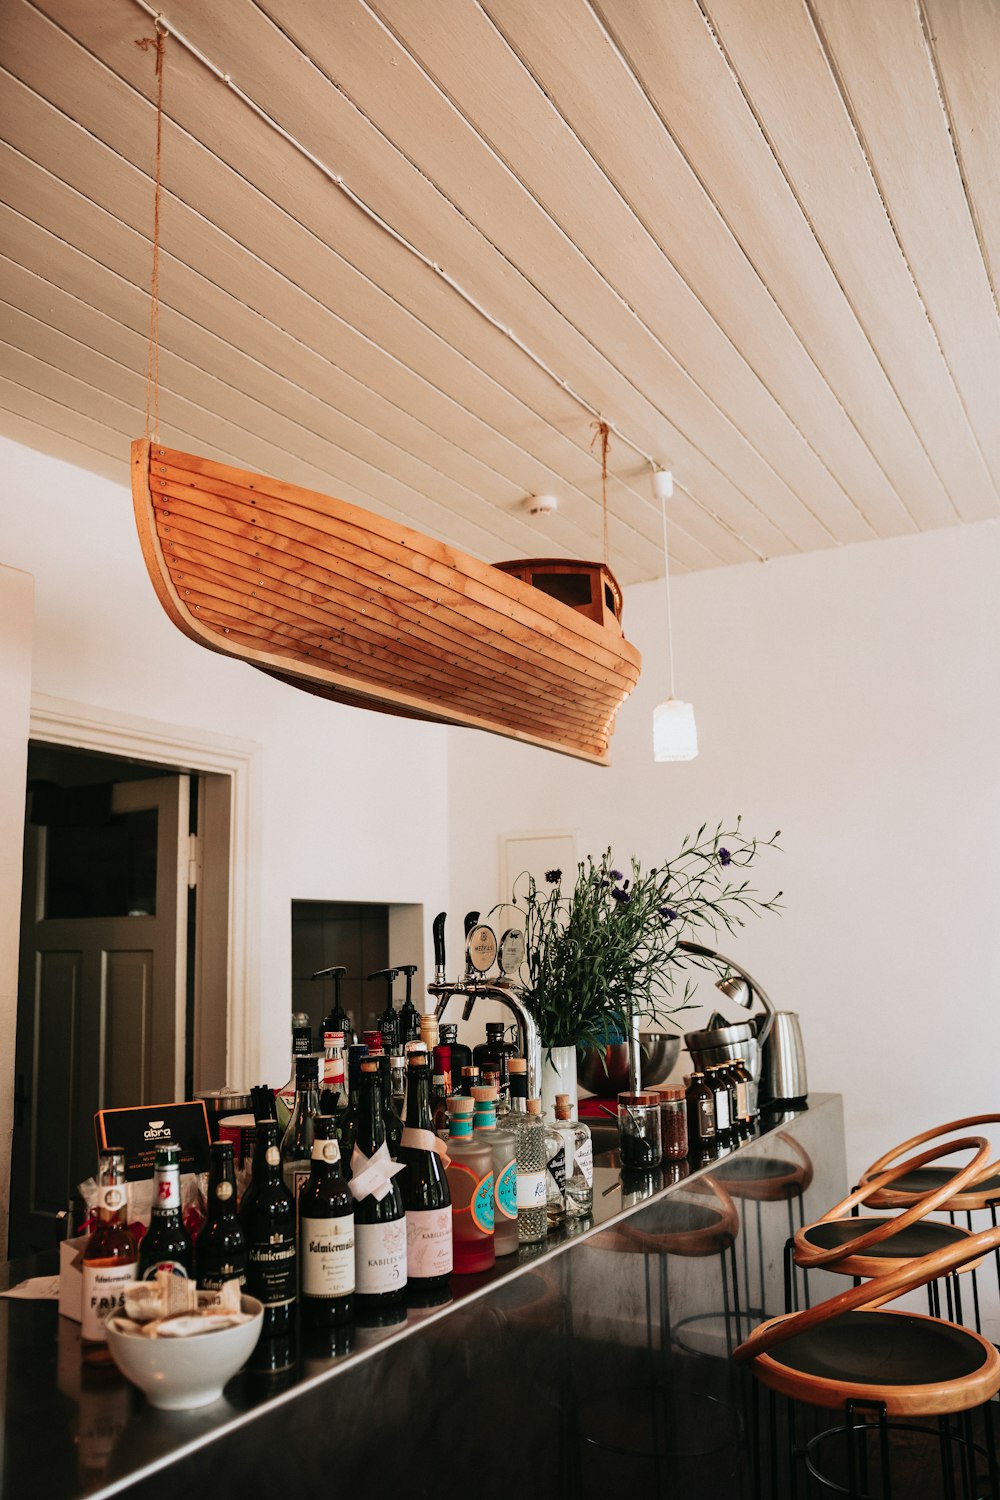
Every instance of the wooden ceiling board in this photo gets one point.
(882, 62)
(181, 153)
(719, 154)
(758, 237)
(797, 101)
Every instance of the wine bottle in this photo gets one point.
(347, 1119)
(166, 1245)
(424, 1183)
(221, 1248)
(326, 1234)
(379, 1216)
(296, 1143)
(109, 1256)
(470, 1177)
(267, 1215)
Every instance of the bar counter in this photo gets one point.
(578, 1367)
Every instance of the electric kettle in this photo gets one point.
(783, 1071)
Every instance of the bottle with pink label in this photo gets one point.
(424, 1182)
(470, 1178)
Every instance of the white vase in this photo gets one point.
(558, 1077)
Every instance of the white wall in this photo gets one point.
(351, 805)
(852, 699)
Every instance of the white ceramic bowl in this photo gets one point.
(178, 1374)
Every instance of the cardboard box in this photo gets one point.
(71, 1277)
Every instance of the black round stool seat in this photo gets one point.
(926, 1179)
(917, 1239)
(901, 1356)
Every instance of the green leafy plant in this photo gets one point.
(611, 941)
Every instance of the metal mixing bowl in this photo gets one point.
(660, 1051)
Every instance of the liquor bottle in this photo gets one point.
(424, 1184)
(347, 1119)
(720, 1089)
(501, 1139)
(429, 1031)
(379, 1216)
(109, 1257)
(439, 1104)
(461, 1055)
(701, 1112)
(166, 1245)
(284, 1098)
(470, 1177)
(220, 1251)
(579, 1160)
(555, 1175)
(297, 1141)
(397, 1080)
(744, 1084)
(529, 1155)
(333, 1090)
(725, 1072)
(267, 1215)
(495, 1052)
(469, 1081)
(409, 1016)
(326, 1234)
(337, 1018)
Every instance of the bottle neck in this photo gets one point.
(267, 1158)
(371, 1121)
(418, 1100)
(222, 1193)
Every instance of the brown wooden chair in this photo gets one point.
(849, 1244)
(851, 1353)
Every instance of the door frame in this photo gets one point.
(59, 721)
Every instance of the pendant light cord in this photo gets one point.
(666, 587)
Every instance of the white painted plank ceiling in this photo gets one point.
(412, 250)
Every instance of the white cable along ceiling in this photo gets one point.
(412, 249)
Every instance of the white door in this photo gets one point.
(101, 997)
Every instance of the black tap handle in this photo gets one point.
(437, 928)
(471, 919)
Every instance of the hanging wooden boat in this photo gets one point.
(333, 599)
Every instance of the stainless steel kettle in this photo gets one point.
(783, 1072)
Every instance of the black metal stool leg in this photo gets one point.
(991, 1448)
(793, 1454)
(947, 1473)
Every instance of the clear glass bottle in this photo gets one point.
(501, 1139)
(379, 1216)
(673, 1123)
(220, 1250)
(555, 1176)
(110, 1257)
(166, 1245)
(529, 1155)
(267, 1215)
(326, 1234)
(297, 1141)
(470, 1178)
(424, 1181)
(579, 1149)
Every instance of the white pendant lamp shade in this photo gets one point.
(675, 735)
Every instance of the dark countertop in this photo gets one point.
(68, 1431)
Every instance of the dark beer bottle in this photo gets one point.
(326, 1233)
(268, 1219)
(221, 1248)
(166, 1245)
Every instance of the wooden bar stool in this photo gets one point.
(766, 1179)
(848, 1244)
(851, 1354)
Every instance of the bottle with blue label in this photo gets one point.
(470, 1178)
(501, 1139)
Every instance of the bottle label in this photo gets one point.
(328, 1151)
(428, 1242)
(380, 1257)
(223, 1190)
(173, 1266)
(471, 1192)
(371, 1176)
(103, 1294)
(167, 1188)
(530, 1189)
(327, 1248)
(422, 1140)
(557, 1168)
(271, 1271)
(722, 1110)
(706, 1118)
(482, 1204)
(585, 1160)
(272, 1156)
(213, 1281)
(111, 1199)
(505, 1192)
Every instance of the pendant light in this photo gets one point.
(675, 736)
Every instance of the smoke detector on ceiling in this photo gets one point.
(540, 505)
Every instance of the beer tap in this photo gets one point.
(481, 953)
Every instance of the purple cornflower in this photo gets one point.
(725, 858)
(622, 895)
(668, 914)
(616, 874)
(553, 876)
